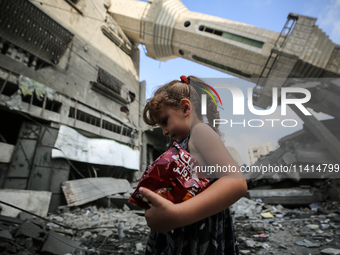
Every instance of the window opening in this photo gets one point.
(231, 36)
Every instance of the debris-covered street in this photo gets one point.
(76, 79)
(274, 229)
(92, 229)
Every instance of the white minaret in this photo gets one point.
(168, 30)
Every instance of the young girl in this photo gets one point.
(202, 224)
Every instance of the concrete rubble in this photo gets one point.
(88, 230)
(96, 229)
(273, 229)
(82, 191)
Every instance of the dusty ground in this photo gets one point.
(300, 231)
(281, 237)
(102, 231)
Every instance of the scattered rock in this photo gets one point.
(90, 230)
(330, 251)
(267, 215)
(283, 246)
(250, 243)
(307, 243)
(287, 231)
(103, 230)
(245, 252)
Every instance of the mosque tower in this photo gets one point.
(168, 30)
(301, 55)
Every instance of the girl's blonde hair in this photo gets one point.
(171, 95)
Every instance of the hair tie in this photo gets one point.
(184, 79)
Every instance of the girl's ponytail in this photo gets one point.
(197, 88)
(173, 92)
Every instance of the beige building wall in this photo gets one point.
(98, 48)
(256, 151)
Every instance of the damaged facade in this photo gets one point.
(74, 66)
(71, 99)
(65, 64)
(71, 103)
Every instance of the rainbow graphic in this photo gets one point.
(209, 93)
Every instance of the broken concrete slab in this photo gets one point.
(119, 201)
(255, 236)
(104, 235)
(6, 152)
(10, 220)
(33, 201)
(307, 243)
(58, 244)
(78, 192)
(250, 243)
(245, 252)
(32, 230)
(330, 251)
(5, 234)
(93, 150)
(292, 196)
(246, 208)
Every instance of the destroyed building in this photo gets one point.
(70, 93)
(65, 64)
(71, 101)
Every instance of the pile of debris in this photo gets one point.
(261, 228)
(80, 231)
(267, 229)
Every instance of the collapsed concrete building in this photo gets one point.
(70, 89)
(65, 64)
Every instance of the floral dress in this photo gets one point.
(213, 235)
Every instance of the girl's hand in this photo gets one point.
(163, 215)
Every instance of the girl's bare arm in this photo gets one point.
(164, 215)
